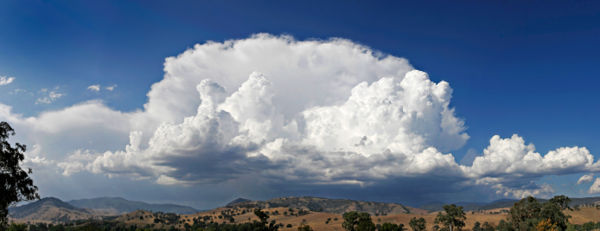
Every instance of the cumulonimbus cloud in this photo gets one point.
(316, 112)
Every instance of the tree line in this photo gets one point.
(528, 214)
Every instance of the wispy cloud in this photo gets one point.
(49, 96)
(98, 87)
(95, 87)
(4, 80)
(586, 178)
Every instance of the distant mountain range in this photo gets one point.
(119, 205)
(52, 209)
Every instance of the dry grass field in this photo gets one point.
(288, 212)
(329, 221)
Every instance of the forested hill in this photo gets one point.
(337, 206)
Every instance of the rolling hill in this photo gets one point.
(336, 206)
(54, 210)
(50, 209)
(118, 205)
(289, 212)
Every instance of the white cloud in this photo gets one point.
(75, 162)
(95, 87)
(98, 87)
(247, 126)
(543, 190)
(595, 188)
(585, 178)
(511, 162)
(304, 73)
(49, 96)
(315, 112)
(35, 158)
(511, 156)
(89, 124)
(4, 80)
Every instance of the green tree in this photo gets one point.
(487, 227)
(588, 226)
(562, 201)
(391, 227)
(524, 215)
(477, 226)
(453, 217)
(401, 227)
(355, 221)
(264, 217)
(529, 214)
(17, 227)
(504, 226)
(417, 224)
(552, 212)
(17, 185)
(304, 227)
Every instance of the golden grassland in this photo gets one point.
(329, 221)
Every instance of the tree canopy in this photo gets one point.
(417, 224)
(18, 186)
(358, 221)
(529, 214)
(453, 217)
(390, 227)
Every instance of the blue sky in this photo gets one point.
(526, 68)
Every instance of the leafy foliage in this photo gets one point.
(304, 227)
(391, 227)
(546, 225)
(16, 183)
(358, 221)
(487, 227)
(477, 226)
(453, 217)
(529, 214)
(417, 224)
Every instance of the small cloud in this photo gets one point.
(95, 87)
(6, 80)
(585, 178)
(17, 91)
(98, 87)
(49, 96)
(167, 180)
(595, 188)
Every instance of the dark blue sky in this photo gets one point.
(526, 67)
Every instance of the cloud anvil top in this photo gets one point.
(283, 111)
